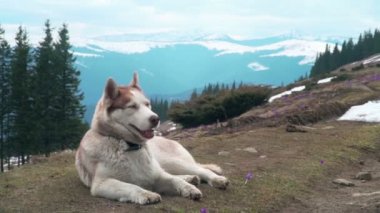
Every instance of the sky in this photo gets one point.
(239, 18)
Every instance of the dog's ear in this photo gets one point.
(110, 91)
(135, 81)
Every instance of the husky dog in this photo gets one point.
(119, 158)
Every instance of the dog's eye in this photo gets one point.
(147, 104)
(132, 106)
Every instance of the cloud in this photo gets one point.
(255, 66)
(247, 18)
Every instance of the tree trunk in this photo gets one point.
(9, 163)
(1, 146)
(22, 158)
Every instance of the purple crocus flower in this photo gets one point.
(322, 162)
(203, 210)
(248, 177)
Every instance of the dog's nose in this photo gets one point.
(154, 119)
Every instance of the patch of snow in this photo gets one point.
(271, 99)
(257, 66)
(375, 58)
(225, 47)
(13, 162)
(289, 48)
(307, 49)
(130, 47)
(326, 80)
(171, 129)
(297, 48)
(95, 49)
(368, 112)
(288, 92)
(298, 89)
(86, 55)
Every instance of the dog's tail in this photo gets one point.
(213, 167)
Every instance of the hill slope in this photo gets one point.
(292, 171)
(288, 171)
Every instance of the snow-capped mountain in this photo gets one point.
(176, 63)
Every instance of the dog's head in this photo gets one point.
(124, 112)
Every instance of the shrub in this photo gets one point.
(207, 109)
(310, 85)
(239, 102)
(343, 77)
(357, 68)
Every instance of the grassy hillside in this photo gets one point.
(289, 170)
(318, 101)
(287, 167)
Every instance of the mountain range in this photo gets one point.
(171, 65)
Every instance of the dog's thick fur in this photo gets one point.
(118, 158)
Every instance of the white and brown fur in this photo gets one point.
(106, 164)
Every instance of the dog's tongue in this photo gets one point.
(147, 133)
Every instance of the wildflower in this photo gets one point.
(248, 177)
(203, 210)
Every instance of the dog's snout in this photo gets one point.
(154, 119)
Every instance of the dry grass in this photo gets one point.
(289, 171)
(320, 103)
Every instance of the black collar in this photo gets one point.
(133, 146)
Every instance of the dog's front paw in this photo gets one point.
(193, 179)
(220, 182)
(191, 192)
(149, 198)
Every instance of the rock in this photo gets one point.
(223, 153)
(363, 176)
(366, 194)
(343, 182)
(250, 149)
(293, 128)
(328, 127)
(262, 156)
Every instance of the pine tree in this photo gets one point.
(368, 45)
(69, 110)
(343, 54)
(335, 61)
(209, 89)
(46, 91)
(350, 51)
(20, 95)
(376, 38)
(216, 89)
(194, 95)
(326, 60)
(233, 87)
(5, 54)
(358, 49)
(166, 109)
